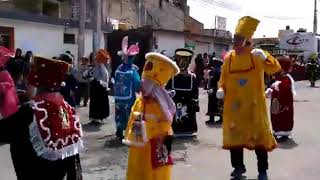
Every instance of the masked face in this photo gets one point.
(240, 44)
(183, 63)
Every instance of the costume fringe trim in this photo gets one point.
(282, 133)
(293, 89)
(41, 148)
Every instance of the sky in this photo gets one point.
(273, 14)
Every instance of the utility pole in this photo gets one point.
(97, 29)
(82, 28)
(139, 13)
(315, 18)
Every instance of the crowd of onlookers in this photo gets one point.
(203, 64)
(75, 88)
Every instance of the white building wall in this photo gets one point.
(45, 39)
(169, 41)
(202, 47)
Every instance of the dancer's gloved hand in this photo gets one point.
(268, 92)
(104, 84)
(171, 93)
(276, 85)
(259, 53)
(210, 91)
(112, 80)
(220, 94)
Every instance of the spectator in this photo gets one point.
(28, 59)
(199, 69)
(70, 84)
(83, 91)
(18, 54)
(16, 67)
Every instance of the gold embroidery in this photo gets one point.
(64, 117)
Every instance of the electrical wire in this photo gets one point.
(227, 5)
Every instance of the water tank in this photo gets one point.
(302, 30)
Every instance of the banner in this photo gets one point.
(190, 46)
(221, 23)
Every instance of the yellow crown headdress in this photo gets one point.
(246, 27)
(159, 68)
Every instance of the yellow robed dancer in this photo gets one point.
(149, 132)
(246, 123)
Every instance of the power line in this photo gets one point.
(236, 8)
(283, 17)
(219, 4)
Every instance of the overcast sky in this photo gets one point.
(273, 14)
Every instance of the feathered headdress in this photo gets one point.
(133, 49)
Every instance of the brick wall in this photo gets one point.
(192, 25)
(123, 10)
(168, 17)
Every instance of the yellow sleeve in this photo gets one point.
(271, 65)
(224, 72)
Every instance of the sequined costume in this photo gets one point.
(8, 97)
(149, 132)
(127, 83)
(45, 134)
(186, 96)
(282, 93)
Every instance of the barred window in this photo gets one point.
(69, 38)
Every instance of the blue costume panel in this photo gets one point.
(127, 83)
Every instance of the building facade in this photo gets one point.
(46, 27)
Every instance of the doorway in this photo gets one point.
(7, 37)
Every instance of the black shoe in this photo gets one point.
(119, 134)
(96, 122)
(263, 176)
(238, 172)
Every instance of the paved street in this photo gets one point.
(201, 158)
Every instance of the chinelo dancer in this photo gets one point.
(149, 132)
(282, 93)
(186, 96)
(245, 118)
(45, 134)
(126, 84)
(99, 108)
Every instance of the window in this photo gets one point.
(69, 38)
(75, 11)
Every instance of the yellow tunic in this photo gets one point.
(245, 119)
(139, 160)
